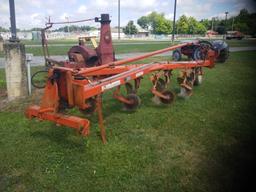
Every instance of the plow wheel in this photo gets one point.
(168, 100)
(185, 90)
(198, 79)
(91, 102)
(39, 79)
(198, 76)
(160, 85)
(135, 102)
(180, 80)
(129, 88)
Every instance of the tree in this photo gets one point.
(200, 28)
(143, 22)
(162, 26)
(192, 25)
(242, 27)
(3, 29)
(207, 23)
(243, 15)
(182, 25)
(73, 28)
(130, 28)
(156, 22)
(221, 28)
(189, 25)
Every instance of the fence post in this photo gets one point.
(29, 57)
(15, 69)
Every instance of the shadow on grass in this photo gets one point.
(239, 161)
(231, 166)
(61, 136)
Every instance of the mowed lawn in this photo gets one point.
(61, 47)
(124, 46)
(205, 143)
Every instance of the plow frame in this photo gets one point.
(63, 82)
(81, 83)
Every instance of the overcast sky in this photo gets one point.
(32, 13)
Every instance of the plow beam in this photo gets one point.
(128, 60)
(80, 124)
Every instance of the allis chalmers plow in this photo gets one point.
(81, 81)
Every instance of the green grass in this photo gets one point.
(123, 46)
(205, 143)
(75, 41)
(126, 46)
(119, 48)
(232, 43)
(242, 43)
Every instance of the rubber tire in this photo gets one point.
(176, 55)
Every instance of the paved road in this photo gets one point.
(39, 60)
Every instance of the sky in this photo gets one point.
(33, 13)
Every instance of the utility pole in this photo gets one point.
(233, 23)
(68, 22)
(226, 20)
(13, 21)
(212, 23)
(118, 19)
(215, 22)
(224, 36)
(174, 18)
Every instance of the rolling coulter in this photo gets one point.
(81, 81)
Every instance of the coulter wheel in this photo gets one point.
(92, 106)
(160, 85)
(198, 80)
(135, 102)
(170, 99)
(129, 88)
(198, 76)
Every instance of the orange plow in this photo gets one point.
(89, 73)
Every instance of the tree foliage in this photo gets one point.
(74, 28)
(143, 22)
(3, 29)
(130, 28)
(244, 22)
(156, 23)
(189, 25)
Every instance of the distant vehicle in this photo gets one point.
(234, 35)
(211, 33)
(197, 51)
